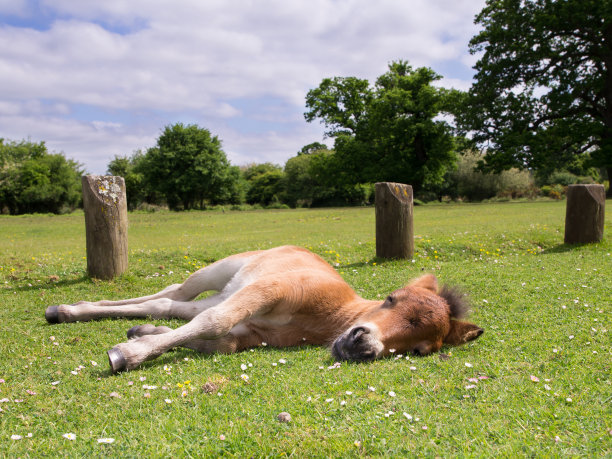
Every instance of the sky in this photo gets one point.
(99, 79)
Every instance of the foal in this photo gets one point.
(286, 296)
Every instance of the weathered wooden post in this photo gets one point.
(394, 225)
(584, 214)
(105, 205)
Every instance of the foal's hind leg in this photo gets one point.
(168, 292)
(160, 308)
(172, 302)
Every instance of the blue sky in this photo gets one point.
(95, 79)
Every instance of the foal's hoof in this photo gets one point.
(116, 360)
(52, 314)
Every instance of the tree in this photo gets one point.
(299, 185)
(33, 180)
(341, 104)
(233, 188)
(389, 132)
(265, 183)
(306, 180)
(187, 167)
(313, 147)
(543, 89)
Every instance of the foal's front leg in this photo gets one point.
(211, 324)
(239, 338)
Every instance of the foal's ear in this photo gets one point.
(428, 281)
(461, 332)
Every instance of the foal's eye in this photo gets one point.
(390, 299)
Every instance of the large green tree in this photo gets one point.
(543, 87)
(34, 180)
(188, 167)
(391, 131)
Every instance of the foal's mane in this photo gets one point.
(457, 301)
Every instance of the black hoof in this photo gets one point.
(131, 333)
(52, 314)
(116, 360)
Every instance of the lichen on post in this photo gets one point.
(584, 214)
(394, 220)
(106, 224)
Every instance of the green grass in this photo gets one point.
(545, 307)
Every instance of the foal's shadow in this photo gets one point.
(175, 356)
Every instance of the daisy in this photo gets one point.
(108, 441)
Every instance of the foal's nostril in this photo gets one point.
(416, 351)
(357, 332)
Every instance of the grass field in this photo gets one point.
(537, 383)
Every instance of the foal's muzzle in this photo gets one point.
(358, 344)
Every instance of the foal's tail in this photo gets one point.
(457, 301)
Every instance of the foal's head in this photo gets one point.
(415, 319)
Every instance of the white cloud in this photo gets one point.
(92, 143)
(13, 7)
(150, 63)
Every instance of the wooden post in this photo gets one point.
(584, 214)
(105, 206)
(394, 226)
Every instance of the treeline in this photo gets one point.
(304, 181)
(187, 169)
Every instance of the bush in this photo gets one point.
(564, 178)
(473, 185)
(277, 205)
(554, 191)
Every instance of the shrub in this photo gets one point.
(554, 191)
(277, 205)
(564, 178)
(468, 182)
